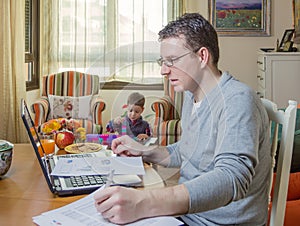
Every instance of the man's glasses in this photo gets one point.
(169, 62)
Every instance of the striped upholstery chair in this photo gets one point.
(167, 110)
(72, 84)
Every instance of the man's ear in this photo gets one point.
(203, 55)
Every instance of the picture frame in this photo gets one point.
(286, 39)
(240, 17)
(296, 16)
(288, 46)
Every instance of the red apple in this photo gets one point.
(64, 138)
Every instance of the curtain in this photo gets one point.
(116, 39)
(12, 82)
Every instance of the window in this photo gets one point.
(31, 45)
(115, 39)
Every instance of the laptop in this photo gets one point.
(61, 186)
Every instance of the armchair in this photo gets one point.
(62, 91)
(167, 127)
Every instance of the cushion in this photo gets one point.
(292, 213)
(293, 187)
(69, 107)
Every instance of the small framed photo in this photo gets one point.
(287, 46)
(287, 37)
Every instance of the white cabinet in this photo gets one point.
(279, 76)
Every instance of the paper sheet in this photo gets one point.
(98, 166)
(84, 213)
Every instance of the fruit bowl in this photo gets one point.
(6, 151)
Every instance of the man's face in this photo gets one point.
(134, 111)
(185, 71)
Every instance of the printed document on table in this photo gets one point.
(98, 166)
(84, 213)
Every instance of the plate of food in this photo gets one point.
(83, 148)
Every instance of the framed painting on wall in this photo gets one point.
(296, 6)
(240, 17)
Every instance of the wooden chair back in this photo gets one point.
(283, 121)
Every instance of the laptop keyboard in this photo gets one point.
(82, 181)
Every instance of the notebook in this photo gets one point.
(61, 186)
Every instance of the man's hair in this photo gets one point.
(197, 31)
(136, 99)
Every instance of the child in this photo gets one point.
(133, 123)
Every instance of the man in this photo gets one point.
(224, 150)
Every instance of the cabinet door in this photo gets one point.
(285, 81)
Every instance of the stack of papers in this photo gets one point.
(83, 213)
(99, 166)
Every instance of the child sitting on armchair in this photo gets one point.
(132, 124)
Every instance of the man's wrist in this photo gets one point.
(148, 153)
(156, 154)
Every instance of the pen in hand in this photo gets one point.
(109, 180)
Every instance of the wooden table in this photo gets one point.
(24, 192)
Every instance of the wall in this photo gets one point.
(238, 55)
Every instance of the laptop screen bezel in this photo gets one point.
(44, 162)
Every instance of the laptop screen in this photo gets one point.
(35, 141)
(61, 186)
(31, 130)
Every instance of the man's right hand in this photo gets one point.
(126, 146)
